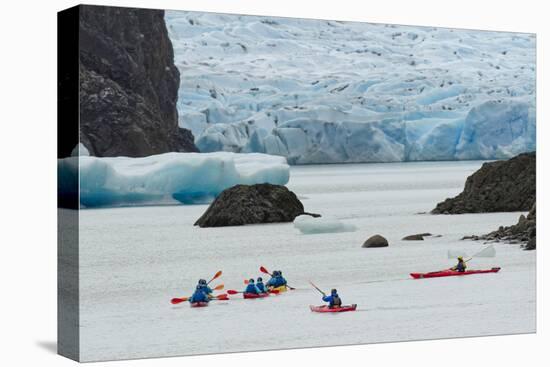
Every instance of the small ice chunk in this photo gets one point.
(310, 225)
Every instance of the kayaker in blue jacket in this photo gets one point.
(204, 285)
(333, 300)
(251, 287)
(260, 285)
(199, 295)
(276, 280)
(461, 266)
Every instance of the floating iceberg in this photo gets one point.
(166, 178)
(310, 225)
(319, 91)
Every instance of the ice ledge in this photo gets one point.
(187, 178)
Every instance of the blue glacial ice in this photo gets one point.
(319, 91)
(166, 178)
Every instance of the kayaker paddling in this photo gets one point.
(461, 266)
(199, 295)
(203, 284)
(333, 300)
(251, 288)
(277, 280)
(260, 285)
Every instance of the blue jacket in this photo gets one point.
(461, 266)
(206, 289)
(199, 296)
(251, 288)
(333, 300)
(261, 287)
(276, 281)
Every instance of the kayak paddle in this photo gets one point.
(219, 297)
(265, 271)
(175, 301)
(471, 257)
(320, 291)
(217, 275)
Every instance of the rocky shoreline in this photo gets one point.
(524, 232)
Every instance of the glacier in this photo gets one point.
(187, 178)
(317, 91)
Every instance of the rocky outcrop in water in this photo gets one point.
(252, 204)
(416, 237)
(502, 186)
(524, 232)
(128, 84)
(376, 241)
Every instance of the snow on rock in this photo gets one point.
(166, 178)
(311, 225)
(319, 91)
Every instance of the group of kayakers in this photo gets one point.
(203, 293)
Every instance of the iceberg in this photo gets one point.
(187, 178)
(317, 91)
(310, 225)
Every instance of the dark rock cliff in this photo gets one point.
(502, 186)
(128, 84)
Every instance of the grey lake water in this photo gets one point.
(133, 260)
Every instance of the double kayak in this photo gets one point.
(271, 291)
(255, 295)
(451, 273)
(325, 308)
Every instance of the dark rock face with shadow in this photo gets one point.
(128, 84)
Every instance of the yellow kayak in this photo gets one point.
(280, 289)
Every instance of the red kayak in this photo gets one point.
(325, 308)
(254, 295)
(199, 304)
(451, 273)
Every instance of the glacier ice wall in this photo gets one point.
(319, 91)
(166, 178)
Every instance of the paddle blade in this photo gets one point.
(222, 297)
(264, 270)
(486, 252)
(218, 287)
(217, 275)
(274, 291)
(231, 291)
(175, 301)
